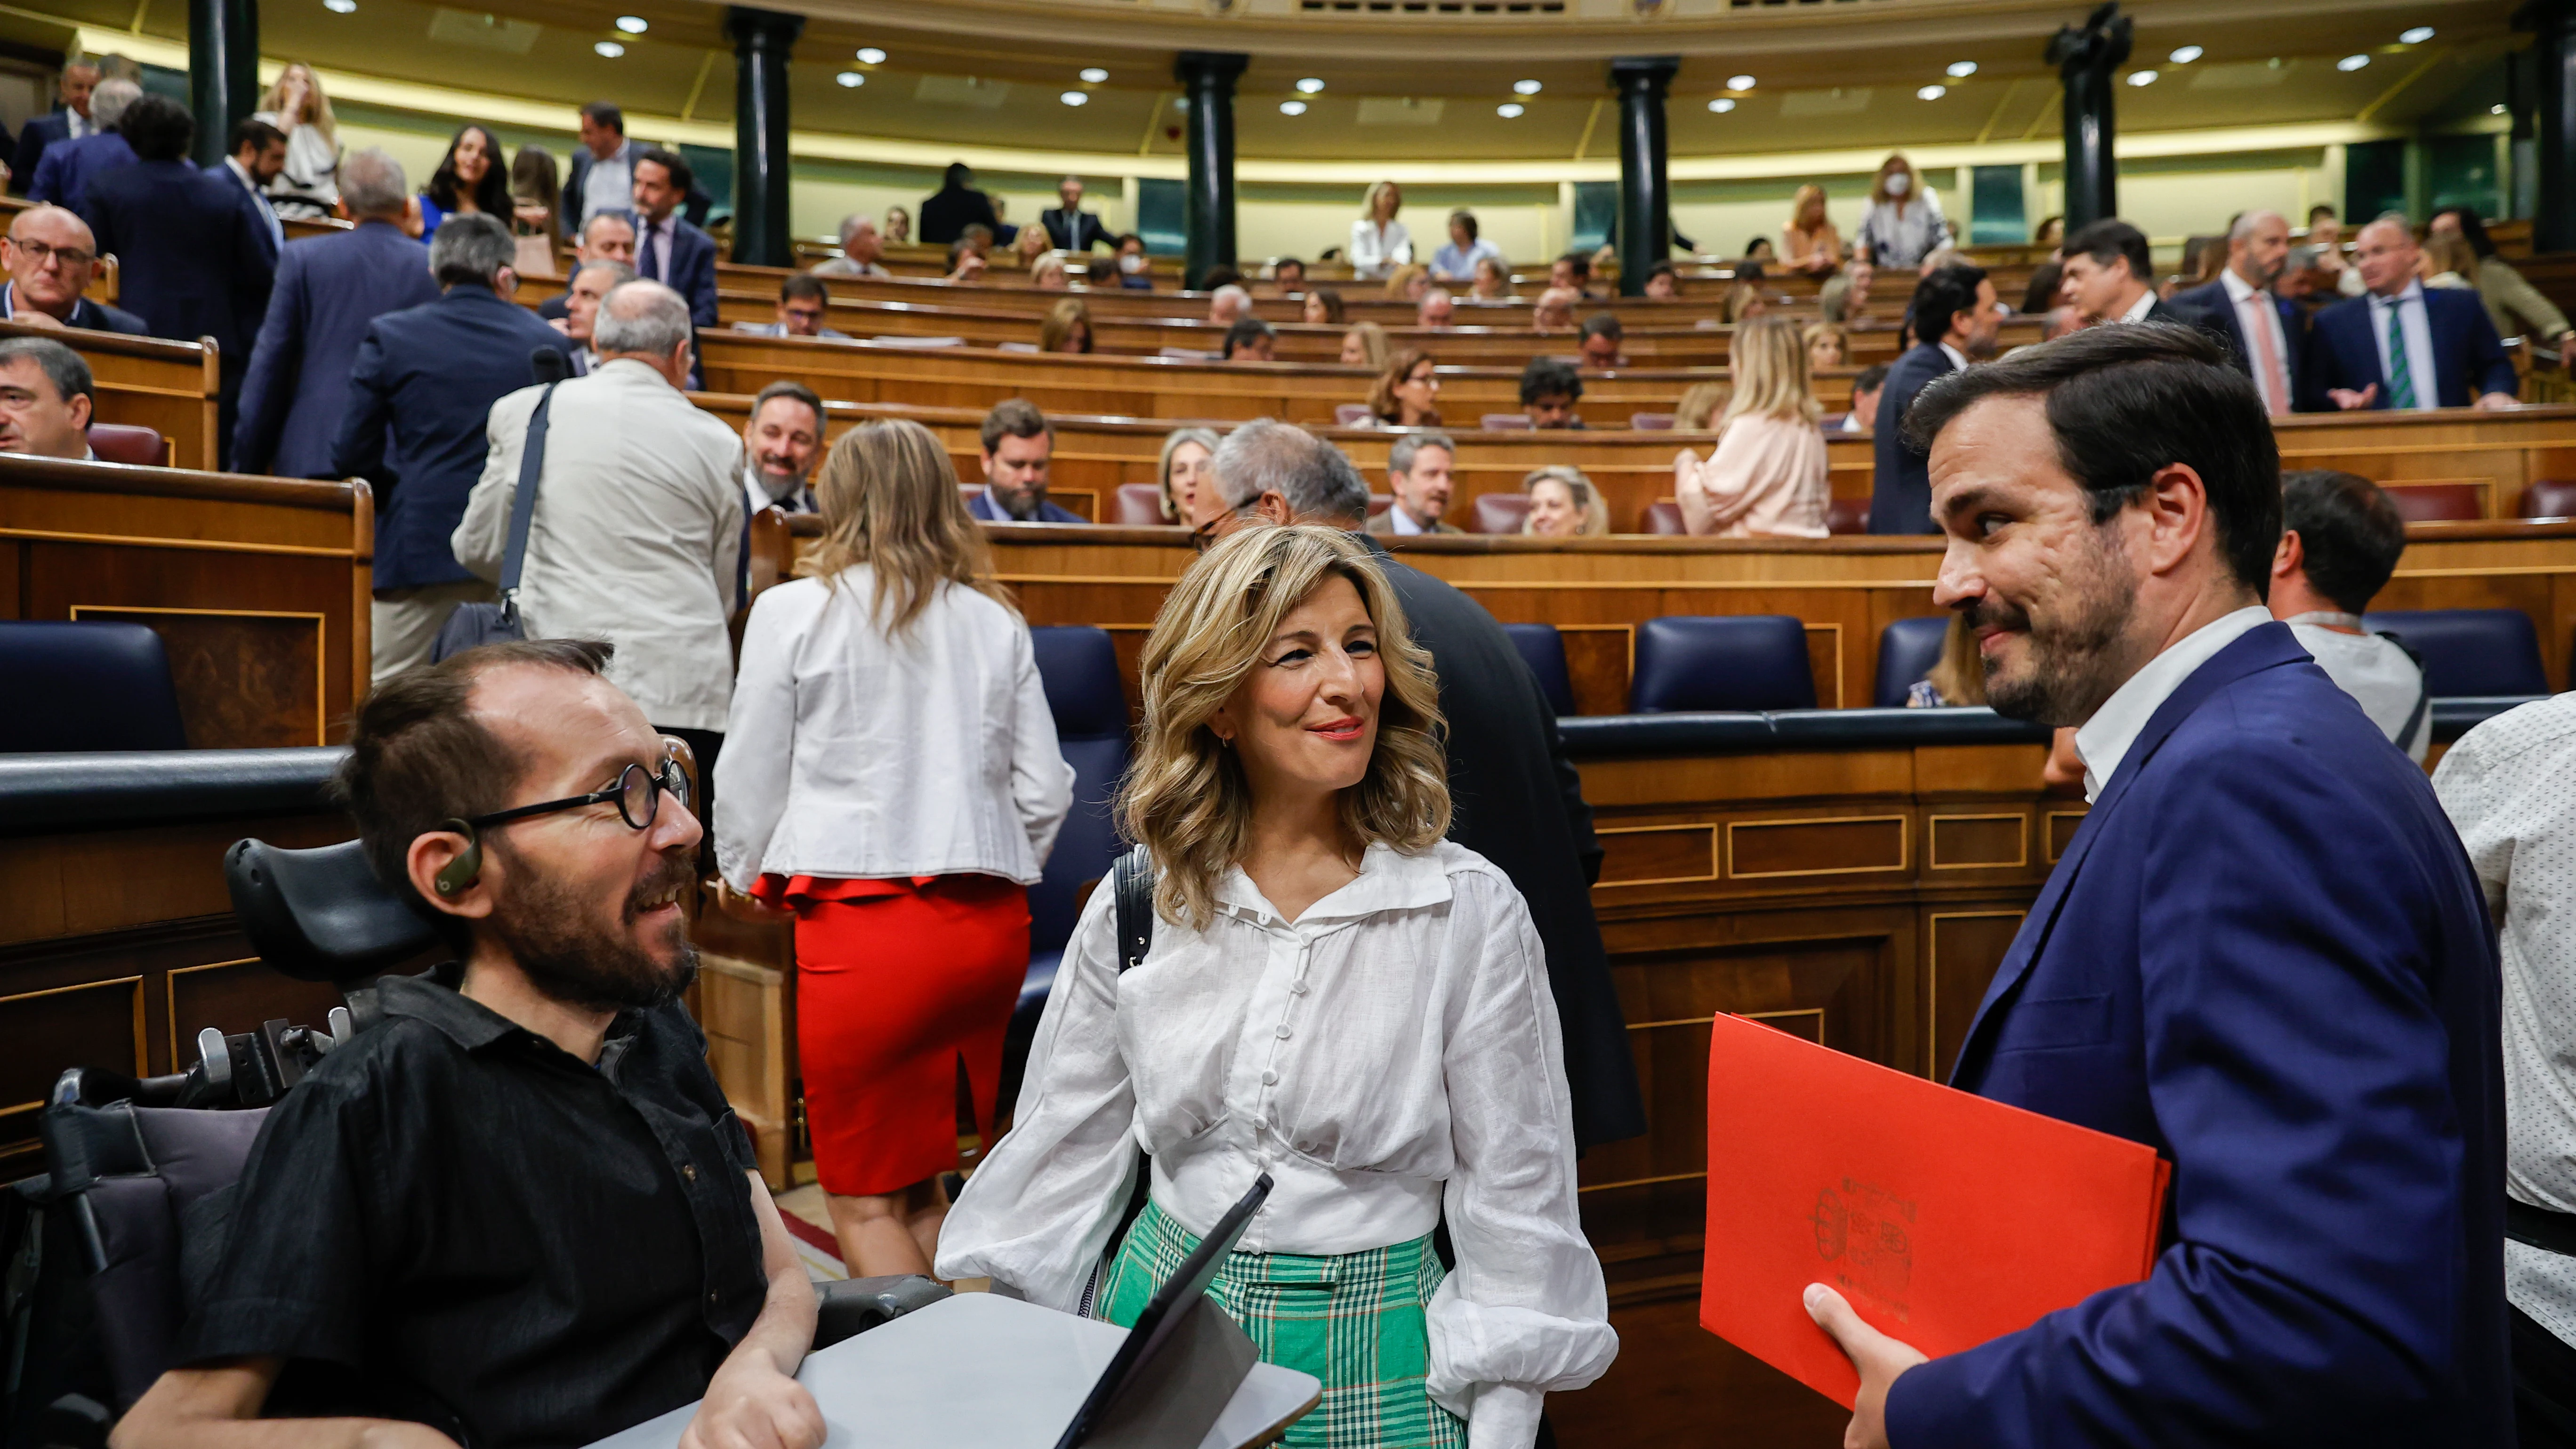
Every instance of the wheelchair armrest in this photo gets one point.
(847, 1309)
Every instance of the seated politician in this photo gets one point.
(46, 400)
(517, 1210)
(51, 256)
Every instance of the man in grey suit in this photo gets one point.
(328, 290)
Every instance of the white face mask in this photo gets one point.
(1899, 184)
(1131, 263)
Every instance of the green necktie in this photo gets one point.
(2401, 378)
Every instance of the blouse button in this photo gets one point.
(1269, 1078)
(1298, 987)
(1283, 1031)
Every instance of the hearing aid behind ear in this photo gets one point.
(467, 867)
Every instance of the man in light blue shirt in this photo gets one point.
(1456, 262)
(603, 172)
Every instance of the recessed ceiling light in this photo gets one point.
(2142, 77)
(851, 79)
(632, 24)
(1962, 69)
(1526, 88)
(1510, 110)
(610, 48)
(2495, 110)
(2352, 62)
(2185, 55)
(870, 55)
(2416, 36)
(1094, 74)
(1722, 104)
(1292, 108)
(1931, 93)
(1309, 86)
(1739, 82)
(1075, 98)
(341, 7)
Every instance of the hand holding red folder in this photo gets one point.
(1944, 1218)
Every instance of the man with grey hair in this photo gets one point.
(1517, 799)
(1227, 303)
(329, 289)
(2241, 307)
(609, 236)
(591, 283)
(860, 248)
(638, 519)
(46, 399)
(419, 392)
(63, 176)
(1419, 473)
(2399, 345)
(1436, 311)
(1068, 225)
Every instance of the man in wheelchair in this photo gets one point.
(518, 1211)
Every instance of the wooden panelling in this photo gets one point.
(1637, 855)
(1969, 842)
(247, 679)
(234, 996)
(2060, 826)
(1858, 845)
(743, 1008)
(93, 1023)
(167, 386)
(1963, 949)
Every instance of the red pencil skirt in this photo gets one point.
(896, 982)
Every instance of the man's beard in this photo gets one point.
(566, 954)
(1020, 503)
(2071, 662)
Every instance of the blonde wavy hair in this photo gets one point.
(889, 500)
(317, 106)
(1769, 360)
(1187, 799)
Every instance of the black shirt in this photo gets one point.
(454, 1221)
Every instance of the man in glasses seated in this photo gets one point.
(516, 1211)
(51, 257)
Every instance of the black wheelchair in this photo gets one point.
(132, 1206)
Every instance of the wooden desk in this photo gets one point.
(148, 382)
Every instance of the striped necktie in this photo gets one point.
(2401, 375)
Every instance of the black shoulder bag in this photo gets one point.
(473, 624)
(1131, 884)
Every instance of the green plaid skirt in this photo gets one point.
(1353, 1320)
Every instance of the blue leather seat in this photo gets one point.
(1721, 662)
(1907, 650)
(1543, 649)
(87, 687)
(2469, 651)
(1085, 694)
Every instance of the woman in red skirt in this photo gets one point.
(890, 774)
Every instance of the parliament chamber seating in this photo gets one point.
(1664, 516)
(87, 687)
(1847, 515)
(1907, 650)
(2438, 502)
(1499, 422)
(2469, 653)
(1499, 513)
(2548, 498)
(1138, 505)
(1701, 663)
(1542, 648)
(118, 443)
(1650, 422)
(1351, 415)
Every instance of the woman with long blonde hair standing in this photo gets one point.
(1335, 995)
(1380, 243)
(310, 184)
(1766, 477)
(893, 779)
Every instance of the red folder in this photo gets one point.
(1945, 1218)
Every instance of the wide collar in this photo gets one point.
(1389, 880)
(2106, 738)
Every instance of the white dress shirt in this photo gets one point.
(854, 755)
(78, 125)
(609, 185)
(2267, 352)
(2509, 787)
(756, 495)
(1958, 359)
(259, 199)
(1375, 253)
(2139, 309)
(635, 537)
(2376, 673)
(1390, 1055)
(2417, 328)
(1401, 523)
(2104, 739)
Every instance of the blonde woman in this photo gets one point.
(1379, 243)
(310, 185)
(1563, 504)
(1809, 242)
(1364, 345)
(1067, 327)
(895, 781)
(1958, 677)
(1492, 283)
(1029, 246)
(1697, 411)
(1047, 273)
(1744, 299)
(1827, 345)
(1766, 476)
(1183, 473)
(1407, 283)
(1334, 995)
(1404, 394)
(1903, 224)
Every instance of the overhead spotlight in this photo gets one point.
(1739, 82)
(2416, 36)
(1962, 69)
(2142, 77)
(1075, 98)
(1931, 93)
(610, 48)
(1094, 74)
(851, 79)
(1309, 86)
(1722, 104)
(1510, 110)
(341, 7)
(2185, 54)
(1526, 88)
(870, 55)
(1292, 108)
(2352, 62)
(2495, 110)
(632, 24)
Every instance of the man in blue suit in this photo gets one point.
(420, 392)
(196, 256)
(70, 120)
(2263, 333)
(51, 257)
(667, 248)
(1018, 445)
(2263, 954)
(2400, 345)
(63, 176)
(1955, 317)
(328, 290)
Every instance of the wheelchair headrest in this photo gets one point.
(321, 914)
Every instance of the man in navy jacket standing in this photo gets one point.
(69, 121)
(2401, 344)
(2263, 953)
(1954, 316)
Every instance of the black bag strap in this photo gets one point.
(2423, 697)
(532, 461)
(1132, 882)
(2551, 1232)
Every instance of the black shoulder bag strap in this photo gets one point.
(2423, 698)
(523, 508)
(1131, 884)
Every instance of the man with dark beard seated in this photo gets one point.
(517, 1210)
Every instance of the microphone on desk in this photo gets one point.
(549, 364)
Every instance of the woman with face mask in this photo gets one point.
(1904, 223)
(1134, 272)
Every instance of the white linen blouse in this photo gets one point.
(1391, 1055)
(1375, 253)
(1904, 237)
(852, 755)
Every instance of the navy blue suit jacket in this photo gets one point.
(693, 266)
(328, 290)
(2468, 357)
(51, 128)
(1900, 497)
(95, 316)
(2264, 955)
(63, 176)
(981, 506)
(195, 255)
(420, 392)
(2216, 314)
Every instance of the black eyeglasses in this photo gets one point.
(638, 793)
(39, 252)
